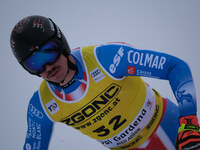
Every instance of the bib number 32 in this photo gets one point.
(115, 121)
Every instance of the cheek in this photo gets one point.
(63, 63)
(44, 74)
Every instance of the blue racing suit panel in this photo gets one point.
(39, 126)
(120, 59)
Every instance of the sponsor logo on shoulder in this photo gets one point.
(97, 75)
(52, 107)
(130, 70)
(34, 111)
(116, 60)
(146, 60)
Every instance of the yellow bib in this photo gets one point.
(119, 113)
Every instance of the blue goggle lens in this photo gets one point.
(48, 54)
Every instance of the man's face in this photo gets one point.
(57, 71)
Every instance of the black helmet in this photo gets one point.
(34, 31)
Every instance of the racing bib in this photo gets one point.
(119, 113)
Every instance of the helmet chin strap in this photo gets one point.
(72, 67)
(65, 76)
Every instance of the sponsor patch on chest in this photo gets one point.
(97, 75)
(52, 107)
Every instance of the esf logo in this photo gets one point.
(94, 107)
(116, 60)
(52, 107)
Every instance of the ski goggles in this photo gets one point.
(47, 54)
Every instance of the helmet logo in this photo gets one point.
(51, 25)
(58, 32)
(12, 43)
(39, 24)
(20, 25)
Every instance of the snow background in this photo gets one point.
(168, 26)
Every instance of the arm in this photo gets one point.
(39, 126)
(124, 60)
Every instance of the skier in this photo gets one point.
(98, 90)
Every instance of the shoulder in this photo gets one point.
(112, 49)
(110, 55)
(35, 97)
(113, 46)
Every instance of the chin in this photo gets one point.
(60, 79)
(56, 80)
